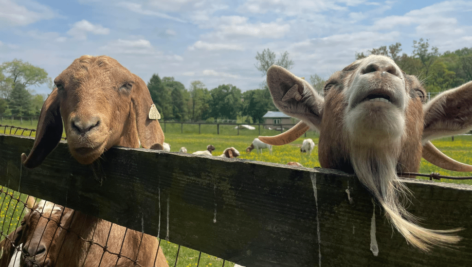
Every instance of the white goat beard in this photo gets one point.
(375, 167)
(379, 129)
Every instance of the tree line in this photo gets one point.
(16, 96)
(175, 102)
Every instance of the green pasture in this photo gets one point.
(459, 149)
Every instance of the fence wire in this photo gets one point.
(18, 231)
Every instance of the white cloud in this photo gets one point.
(140, 10)
(14, 14)
(81, 28)
(288, 8)
(234, 27)
(215, 46)
(218, 74)
(189, 73)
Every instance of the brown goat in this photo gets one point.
(373, 121)
(102, 105)
(47, 243)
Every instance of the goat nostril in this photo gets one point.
(82, 127)
(370, 68)
(40, 250)
(392, 70)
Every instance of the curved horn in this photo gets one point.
(289, 136)
(436, 157)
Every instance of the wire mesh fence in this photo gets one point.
(41, 233)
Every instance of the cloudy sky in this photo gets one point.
(216, 41)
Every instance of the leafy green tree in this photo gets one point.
(426, 55)
(196, 88)
(178, 105)
(257, 103)
(226, 102)
(24, 73)
(268, 58)
(36, 104)
(20, 100)
(160, 96)
(3, 105)
(318, 83)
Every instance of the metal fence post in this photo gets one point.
(281, 128)
(217, 128)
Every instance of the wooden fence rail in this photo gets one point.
(251, 213)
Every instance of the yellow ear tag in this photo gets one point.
(154, 113)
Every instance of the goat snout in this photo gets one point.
(382, 66)
(83, 126)
(34, 250)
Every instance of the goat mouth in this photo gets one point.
(378, 95)
(84, 150)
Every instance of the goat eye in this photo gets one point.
(328, 86)
(420, 94)
(60, 86)
(126, 86)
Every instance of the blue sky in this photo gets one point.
(215, 41)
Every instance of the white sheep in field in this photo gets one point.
(230, 152)
(258, 145)
(183, 150)
(208, 152)
(166, 147)
(307, 146)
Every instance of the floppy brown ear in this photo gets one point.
(229, 153)
(48, 132)
(149, 130)
(449, 113)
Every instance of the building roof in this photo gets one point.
(276, 115)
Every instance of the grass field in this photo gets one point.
(459, 149)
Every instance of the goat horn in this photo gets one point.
(436, 157)
(289, 136)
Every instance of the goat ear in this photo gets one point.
(48, 132)
(149, 130)
(295, 96)
(449, 113)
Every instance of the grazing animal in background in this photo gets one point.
(307, 146)
(183, 150)
(374, 122)
(102, 105)
(258, 145)
(293, 163)
(230, 153)
(166, 147)
(208, 152)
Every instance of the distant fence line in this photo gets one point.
(187, 127)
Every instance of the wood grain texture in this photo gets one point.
(266, 213)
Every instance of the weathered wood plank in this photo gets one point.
(265, 215)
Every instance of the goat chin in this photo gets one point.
(376, 169)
